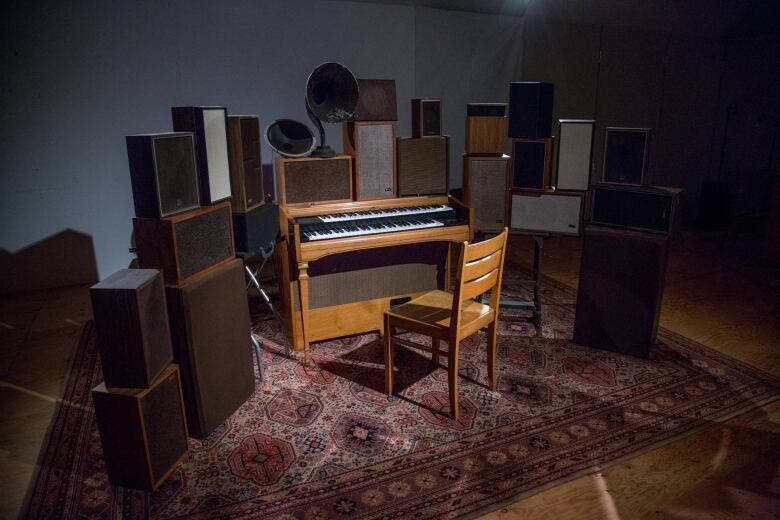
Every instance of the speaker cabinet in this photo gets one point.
(423, 165)
(376, 101)
(556, 212)
(143, 431)
(131, 322)
(575, 151)
(246, 176)
(209, 126)
(314, 179)
(531, 164)
(185, 245)
(372, 144)
(426, 117)
(269, 182)
(625, 155)
(210, 330)
(256, 229)
(485, 190)
(530, 109)
(162, 173)
(620, 291)
(643, 208)
(486, 128)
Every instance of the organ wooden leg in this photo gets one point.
(303, 287)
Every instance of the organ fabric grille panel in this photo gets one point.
(313, 179)
(485, 190)
(423, 165)
(372, 144)
(246, 176)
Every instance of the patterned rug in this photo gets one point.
(326, 442)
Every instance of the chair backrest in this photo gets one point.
(480, 269)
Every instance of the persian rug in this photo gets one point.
(326, 442)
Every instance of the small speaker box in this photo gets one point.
(314, 179)
(246, 176)
(530, 109)
(372, 145)
(209, 126)
(187, 244)
(555, 212)
(426, 117)
(256, 229)
(143, 431)
(485, 190)
(423, 165)
(486, 128)
(531, 164)
(575, 151)
(643, 208)
(162, 173)
(131, 322)
(376, 101)
(625, 155)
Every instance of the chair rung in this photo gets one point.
(407, 343)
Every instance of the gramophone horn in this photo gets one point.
(290, 138)
(332, 93)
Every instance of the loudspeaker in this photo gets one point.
(644, 208)
(485, 190)
(485, 128)
(210, 330)
(531, 164)
(620, 291)
(131, 322)
(290, 138)
(426, 117)
(372, 144)
(162, 173)
(556, 212)
(256, 229)
(314, 179)
(143, 431)
(246, 176)
(184, 245)
(530, 109)
(423, 165)
(575, 150)
(625, 155)
(376, 101)
(269, 182)
(209, 126)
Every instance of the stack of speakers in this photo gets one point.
(423, 159)
(183, 227)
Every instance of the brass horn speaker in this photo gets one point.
(331, 97)
(290, 138)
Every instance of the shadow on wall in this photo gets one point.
(66, 258)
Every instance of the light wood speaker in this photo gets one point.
(423, 165)
(486, 128)
(485, 189)
(372, 144)
(314, 179)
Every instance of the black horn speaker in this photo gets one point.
(290, 138)
(331, 97)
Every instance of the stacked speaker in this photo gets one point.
(423, 159)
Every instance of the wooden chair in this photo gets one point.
(452, 317)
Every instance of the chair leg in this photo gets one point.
(452, 377)
(491, 354)
(435, 344)
(388, 356)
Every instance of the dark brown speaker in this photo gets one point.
(620, 290)
(210, 330)
(372, 145)
(143, 431)
(376, 101)
(485, 190)
(209, 127)
(314, 179)
(643, 208)
(423, 165)
(486, 128)
(530, 109)
(256, 229)
(531, 164)
(426, 117)
(625, 155)
(131, 322)
(185, 245)
(246, 175)
(162, 173)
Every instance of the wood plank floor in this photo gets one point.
(714, 294)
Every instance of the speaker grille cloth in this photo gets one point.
(163, 419)
(217, 153)
(487, 189)
(376, 101)
(177, 178)
(624, 159)
(422, 166)
(316, 180)
(203, 241)
(528, 161)
(250, 146)
(574, 154)
(632, 209)
(431, 118)
(548, 213)
(375, 160)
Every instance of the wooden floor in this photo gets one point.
(715, 294)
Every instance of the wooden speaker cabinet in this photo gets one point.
(643, 208)
(246, 175)
(372, 144)
(131, 322)
(426, 117)
(376, 101)
(314, 179)
(555, 212)
(423, 165)
(209, 126)
(143, 431)
(625, 155)
(530, 109)
(162, 173)
(185, 245)
(575, 152)
(210, 330)
(485, 186)
(531, 164)
(486, 128)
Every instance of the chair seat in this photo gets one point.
(433, 309)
